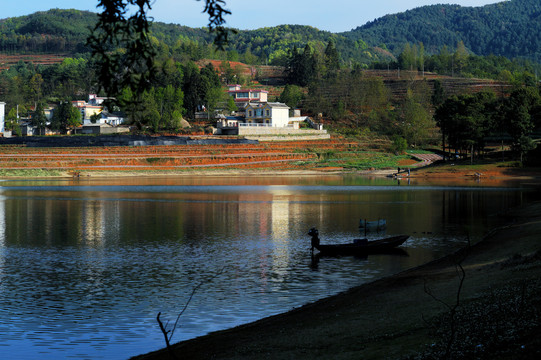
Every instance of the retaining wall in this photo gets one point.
(255, 130)
(116, 140)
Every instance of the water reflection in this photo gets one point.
(85, 266)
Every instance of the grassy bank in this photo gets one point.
(426, 312)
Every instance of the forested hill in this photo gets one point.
(509, 28)
(53, 31)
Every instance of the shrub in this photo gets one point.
(399, 144)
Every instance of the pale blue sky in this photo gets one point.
(335, 16)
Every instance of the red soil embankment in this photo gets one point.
(278, 155)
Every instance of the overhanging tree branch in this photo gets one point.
(121, 43)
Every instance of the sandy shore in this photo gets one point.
(387, 318)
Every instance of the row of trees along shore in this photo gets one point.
(469, 121)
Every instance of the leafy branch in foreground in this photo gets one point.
(168, 333)
(122, 46)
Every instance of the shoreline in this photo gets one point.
(420, 173)
(385, 318)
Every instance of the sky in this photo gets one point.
(334, 16)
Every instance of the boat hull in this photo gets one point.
(387, 245)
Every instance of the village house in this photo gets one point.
(257, 116)
(86, 109)
(94, 106)
(242, 97)
(270, 114)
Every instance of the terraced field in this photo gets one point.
(286, 155)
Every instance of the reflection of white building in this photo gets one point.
(2, 221)
(2, 116)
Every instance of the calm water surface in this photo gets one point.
(86, 265)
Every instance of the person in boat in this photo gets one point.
(315, 238)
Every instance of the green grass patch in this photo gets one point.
(418, 151)
(155, 160)
(364, 160)
(29, 173)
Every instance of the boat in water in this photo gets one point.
(374, 225)
(358, 247)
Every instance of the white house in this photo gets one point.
(94, 99)
(94, 106)
(2, 116)
(270, 114)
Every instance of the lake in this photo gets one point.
(86, 265)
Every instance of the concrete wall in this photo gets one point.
(265, 130)
(280, 116)
(263, 138)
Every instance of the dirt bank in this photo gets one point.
(388, 318)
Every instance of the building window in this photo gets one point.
(267, 112)
(249, 112)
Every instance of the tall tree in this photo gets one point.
(302, 67)
(416, 121)
(332, 57)
(65, 115)
(291, 95)
(39, 120)
(518, 110)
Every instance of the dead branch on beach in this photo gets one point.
(168, 333)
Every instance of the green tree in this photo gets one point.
(191, 86)
(466, 120)
(438, 94)
(408, 58)
(11, 119)
(65, 116)
(95, 118)
(302, 67)
(332, 57)
(416, 121)
(399, 144)
(460, 57)
(291, 95)
(211, 92)
(231, 105)
(519, 123)
(39, 120)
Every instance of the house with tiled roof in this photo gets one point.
(242, 96)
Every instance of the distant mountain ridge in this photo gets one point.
(510, 28)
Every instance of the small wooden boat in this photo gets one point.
(358, 247)
(374, 225)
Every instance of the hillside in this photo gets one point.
(508, 28)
